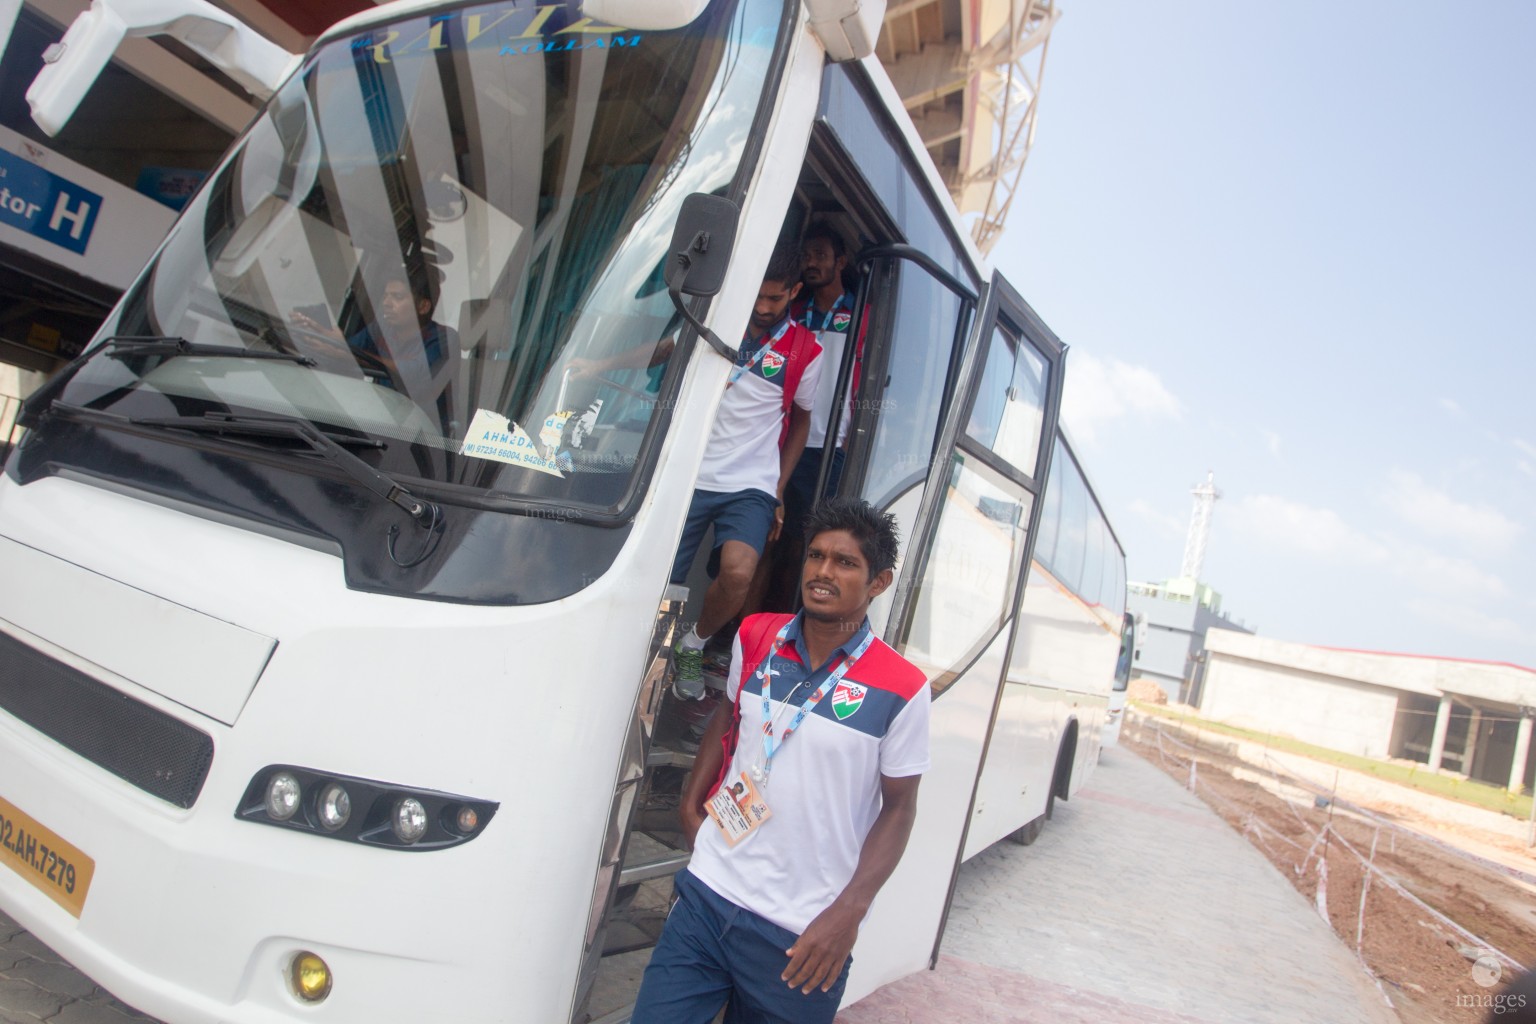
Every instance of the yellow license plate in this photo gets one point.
(39, 855)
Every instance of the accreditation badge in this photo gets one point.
(738, 809)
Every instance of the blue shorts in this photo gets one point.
(713, 953)
(746, 516)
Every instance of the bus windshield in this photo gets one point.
(443, 222)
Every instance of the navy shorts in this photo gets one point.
(746, 516)
(713, 953)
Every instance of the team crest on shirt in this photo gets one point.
(773, 362)
(847, 698)
(841, 319)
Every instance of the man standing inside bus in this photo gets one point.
(799, 807)
(756, 441)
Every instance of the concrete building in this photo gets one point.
(1172, 619)
(1474, 718)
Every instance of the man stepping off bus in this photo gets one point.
(802, 797)
(756, 441)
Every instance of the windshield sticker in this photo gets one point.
(541, 33)
(553, 430)
(493, 436)
(583, 427)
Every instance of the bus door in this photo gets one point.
(918, 318)
(973, 517)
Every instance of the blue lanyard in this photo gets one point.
(809, 317)
(757, 356)
(765, 676)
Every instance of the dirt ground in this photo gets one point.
(1430, 972)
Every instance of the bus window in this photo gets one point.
(902, 395)
(968, 582)
(1009, 406)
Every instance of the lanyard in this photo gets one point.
(765, 676)
(757, 356)
(809, 318)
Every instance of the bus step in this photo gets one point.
(664, 757)
(663, 866)
(637, 931)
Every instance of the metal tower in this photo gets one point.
(1199, 527)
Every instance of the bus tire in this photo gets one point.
(1061, 775)
(1026, 835)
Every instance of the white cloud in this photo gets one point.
(1447, 573)
(1441, 516)
(1450, 405)
(1144, 510)
(1099, 391)
(1283, 523)
(1321, 533)
(1524, 445)
(1271, 441)
(1468, 620)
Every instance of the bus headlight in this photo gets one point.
(334, 807)
(409, 820)
(361, 810)
(283, 792)
(311, 977)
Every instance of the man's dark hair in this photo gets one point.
(821, 229)
(874, 530)
(784, 264)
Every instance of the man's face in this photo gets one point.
(822, 265)
(835, 583)
(773, 298)
(398, 307)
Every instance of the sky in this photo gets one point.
(1295, 246)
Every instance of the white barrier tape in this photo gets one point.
(1322, 892)
(1258, 823)
(1302, 782)
(1400, 890)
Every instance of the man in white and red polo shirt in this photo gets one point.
(756, 441)
(801, 799)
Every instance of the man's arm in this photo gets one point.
(816, 958)
(640, 357)
(706, 768)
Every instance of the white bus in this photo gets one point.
(331, 671)
(1115, 714)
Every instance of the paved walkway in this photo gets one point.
(1137, 903)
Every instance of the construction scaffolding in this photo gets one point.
(969, 73)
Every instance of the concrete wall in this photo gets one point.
(1358, 701)
(1339, 714)
(1489, 681)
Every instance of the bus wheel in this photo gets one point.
(1061, 775)
(1027, 835)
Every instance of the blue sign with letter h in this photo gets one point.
(46, 205)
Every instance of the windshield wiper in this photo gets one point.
(425, 513)
(122, 345)
(152, 345)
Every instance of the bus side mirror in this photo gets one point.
(847, 29)
(699, 255)
(701, 244)
(72, 65)
(645, 15)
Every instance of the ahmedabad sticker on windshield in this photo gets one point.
(44, 858)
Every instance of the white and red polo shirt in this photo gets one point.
(824, 787)
(743, 449)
